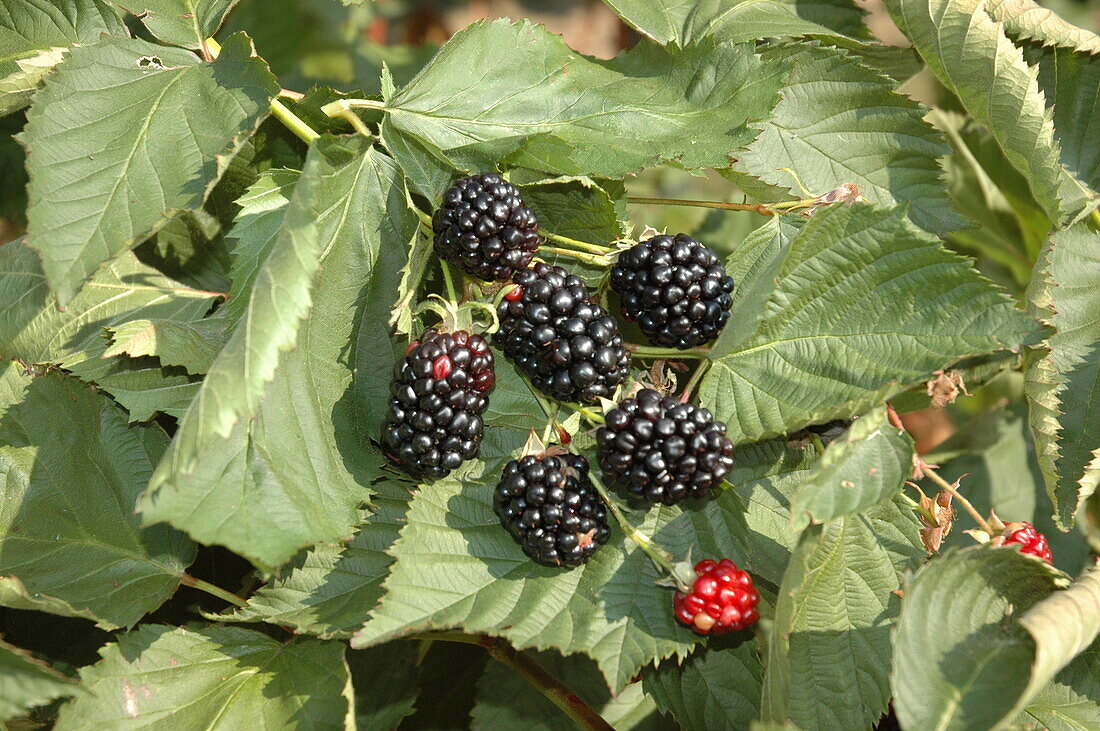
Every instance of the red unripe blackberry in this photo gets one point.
(554, 332)
(485, 228)
(547, 503)
(722, 599)
(663, 450)
(1033, 541)
(439, 391)
(675, 288)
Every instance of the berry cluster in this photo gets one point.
(485, 228)
(1033, 542)
(547, 503)
(439, 391)
(555, 333)
(722, 599)
(664, 450)
(675, 289)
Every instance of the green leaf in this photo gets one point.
(330, 589)
(1063, 378)
(192, 345)
(297, 465)
(841, 122)
(26, 682)
(142, 385)
(717, 687)
(1063, 626)
(754, 265)
(972, 56)
(1070, 701)
(866, 305)
(112, 146)
(685, 21)
(867, 465)
(1024, 19)
(506, 700)
(254, 231)
(34, 330)
(86, 550)
(34, 35)
(184, 23)
(960, 660)
(1070, 82)
(208, 677)
(829, 653)
(577, 208)
(484, 97)
(455, 567)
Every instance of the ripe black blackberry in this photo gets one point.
(555, 333)
(547, 503)
(485, 228)
(439, 391)
(663, 450)
(675, 288)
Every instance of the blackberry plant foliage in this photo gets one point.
(413, 394)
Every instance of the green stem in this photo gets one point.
(212, 590)
(819, 446)
(647, 351)
(582, 245)
(592, 416)
(1096, 217)
(293, 122)
(754, 207)
(659, 556)
(696, 377)
(278, 110)
(448, 280)
(523, 665)
(599, 261)
(339, 106)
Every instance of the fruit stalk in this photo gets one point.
(754, 207)
(582, 245)
(228, 596)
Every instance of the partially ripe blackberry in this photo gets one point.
(553, 330)
(663, 450)
(548, 504)
(675, 288)
(439, 391)
(1033, 542)
(722, 599)
(485, 228)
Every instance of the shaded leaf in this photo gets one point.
(184, 23)
(829, 653)
(718, 687)
(33, 330)
(386, 683)
(1063, 377)
(26, 682)
(295, 472)
(113, 146)
(866, 305)
(84, 546)
(192, 345)
(960, 659)
(867, 465)
(207, 677)
(972, 56)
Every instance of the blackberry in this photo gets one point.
(555, 333)
(485, 228)
(548, 504)
(675, 288)
(439, 391)
(663, 450)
